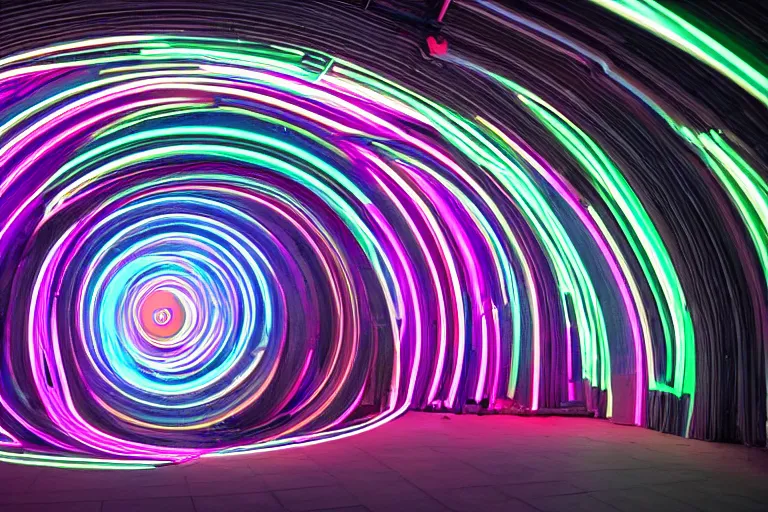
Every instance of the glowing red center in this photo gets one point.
(161, 314)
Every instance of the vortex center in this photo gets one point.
(161, 314)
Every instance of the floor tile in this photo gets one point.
(261, 502)
(570, 503)
(540, 489)
(316, 498)
(641, 499)
(708, 498)
(150, 505)
(87, 506)
(468, 499)
(233, 486)
(286, 481)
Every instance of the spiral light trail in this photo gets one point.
(213, 246)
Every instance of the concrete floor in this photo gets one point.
(429, 462)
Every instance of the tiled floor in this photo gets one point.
(429, 462)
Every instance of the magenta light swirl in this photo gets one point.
(215, 247)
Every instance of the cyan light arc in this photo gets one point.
(214, 247)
